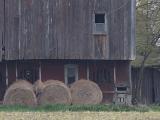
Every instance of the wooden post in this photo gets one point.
(7, 75)
(130, 77)
(115, 77)
(40, 71)
(16, 72)
(88, 71)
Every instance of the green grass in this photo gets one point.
(78, 108)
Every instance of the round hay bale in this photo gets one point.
(86, 92)
(38, 87)
(20, 93)
(55, 92)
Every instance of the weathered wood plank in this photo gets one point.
(63, 29)
(156, 83)
(12, 29)
(1, 26)
(133, 28)
(34, 21)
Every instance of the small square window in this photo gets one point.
(100, 23)
(71, 75)
(99, 18)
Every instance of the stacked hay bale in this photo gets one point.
(38, 88)
(54, 92)
(86, 92)
(20, 93)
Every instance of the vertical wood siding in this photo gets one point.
(63, 29)
(3, 85)
(150, 89)
(1, 26)
(156, 85)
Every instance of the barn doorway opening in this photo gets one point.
(27, 71)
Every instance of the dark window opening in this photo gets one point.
(121, 88)
(99, 18)
(121, 100)
(71, 74)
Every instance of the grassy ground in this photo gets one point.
(77, 112)
(78, 108)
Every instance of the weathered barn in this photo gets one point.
(68, 40)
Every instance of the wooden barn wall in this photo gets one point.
(107, 87)
(2, 80)
(156, 85)
(150, 90)
(122, 73)
(63, 29)
(11, 72)
(52, 71)
(1, 26)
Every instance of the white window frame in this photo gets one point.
(66, 72)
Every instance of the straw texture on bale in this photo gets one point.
(86, 92)
(38, 87)
(54, 92)
(20, 93)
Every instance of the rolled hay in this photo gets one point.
(20, 93)
(38, 87)
(54, 92)
(86, 92)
